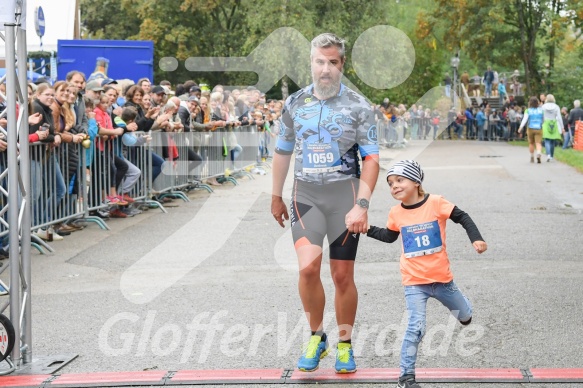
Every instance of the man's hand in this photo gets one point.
(279, 210)
(357, 220)
(3, 145)
(4, 123)
(57, 141)
(132, 127)
(118, 111)
(78, 138)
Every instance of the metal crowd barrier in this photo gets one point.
(54, 192)
(191, 158)
(70, 183)
(140, 155)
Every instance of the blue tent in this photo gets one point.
(35, 76)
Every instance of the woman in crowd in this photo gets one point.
(46, 176)
(133, 98)
(64, 120)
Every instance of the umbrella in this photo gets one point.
(35, 76)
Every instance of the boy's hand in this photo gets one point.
(480, 246)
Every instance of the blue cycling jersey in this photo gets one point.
(535, 118)
(327, 135)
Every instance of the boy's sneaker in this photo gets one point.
(111, 200)
(407, 381)
(314, 352)
(345, 359)
(466, 322)
(538, 159)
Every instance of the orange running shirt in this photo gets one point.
(424, 257)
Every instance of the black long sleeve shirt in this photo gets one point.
(457, 215)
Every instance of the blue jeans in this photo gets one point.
(55, 184)
(488, 89)
(469, 128)
(416, 299)
(567, 139)
(157, 163)
(550, 147)
(35, 191)
(235, 152)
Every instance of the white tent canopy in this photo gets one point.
(59, 22)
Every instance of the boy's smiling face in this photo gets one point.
(403, 189)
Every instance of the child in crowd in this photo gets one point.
(421, 218)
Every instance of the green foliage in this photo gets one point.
(483, 31)
(109, 19)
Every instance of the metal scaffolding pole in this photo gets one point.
(21, 54)
(13, 187)
(19, 205)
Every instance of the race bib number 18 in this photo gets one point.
(421, 239)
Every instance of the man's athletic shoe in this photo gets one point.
(315, 351)
(345, 359)
(408, 381)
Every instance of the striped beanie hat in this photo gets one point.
(409, 169)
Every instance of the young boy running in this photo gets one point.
(420, 219)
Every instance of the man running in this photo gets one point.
(327, 125)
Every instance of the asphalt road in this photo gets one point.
(213, 283)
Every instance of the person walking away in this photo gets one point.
(552, 125)
(533, 116)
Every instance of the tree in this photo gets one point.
(109, 19)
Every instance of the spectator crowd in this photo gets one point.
(110, 117)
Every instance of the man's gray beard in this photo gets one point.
(325, 92)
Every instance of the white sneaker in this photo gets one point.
(43, 234)
(549, 158)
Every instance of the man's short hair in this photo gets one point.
(165, 83)
(129, 114)
(73, 73)
(143, 80)
(326, 40)
(577, 104)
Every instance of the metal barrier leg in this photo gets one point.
(39, 243)
(175, 194)
(204, 186)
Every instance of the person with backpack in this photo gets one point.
(533, 116)
(552, 125)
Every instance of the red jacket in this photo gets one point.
(103, 120)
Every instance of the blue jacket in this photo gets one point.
(469, 114)
(481, 118)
